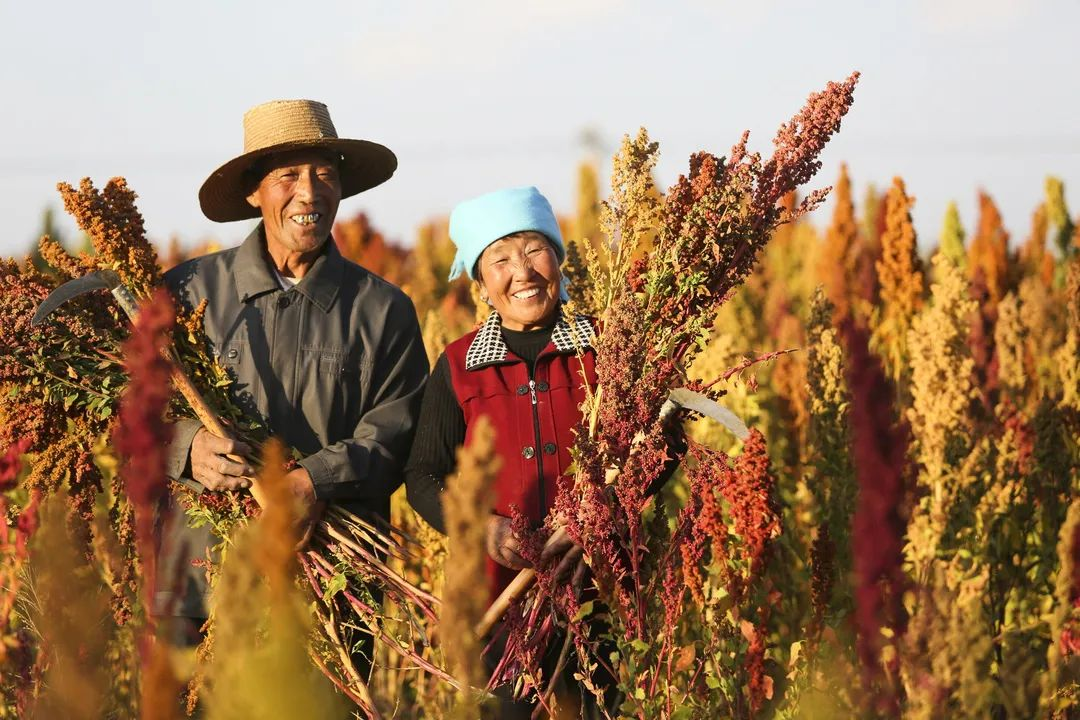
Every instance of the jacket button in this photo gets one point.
(523, 390)
(528, 453)
(284, 300)
(233, 352)
(549, 448)
(542, 386)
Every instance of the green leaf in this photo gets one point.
(712, 682)
(583, 611)
(640, 645)
(336, 585)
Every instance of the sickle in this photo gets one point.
(99, 280)
(109, 280)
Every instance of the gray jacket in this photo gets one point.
(334, 366)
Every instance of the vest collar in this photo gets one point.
(488, 347)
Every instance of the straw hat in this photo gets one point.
(284, 125)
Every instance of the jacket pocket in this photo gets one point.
(331, 393)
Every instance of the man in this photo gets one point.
(328, 355)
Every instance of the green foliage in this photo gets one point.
(1062, 227)
(952, 237)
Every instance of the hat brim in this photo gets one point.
(364, 165)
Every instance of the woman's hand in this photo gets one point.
(570, 554)
(501, 544)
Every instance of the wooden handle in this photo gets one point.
(513, 591)
(210, 421)
(130, 305)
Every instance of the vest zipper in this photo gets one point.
(538, 448)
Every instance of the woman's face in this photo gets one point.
(519, 275)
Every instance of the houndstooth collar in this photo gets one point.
(489, 348)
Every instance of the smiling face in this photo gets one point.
(298, 197)
(519, 275)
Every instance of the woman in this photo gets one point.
(524, 369)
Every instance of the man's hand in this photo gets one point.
(212, 469)
(501, 544)
(569, 554)
(308, 510)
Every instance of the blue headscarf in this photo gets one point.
(476, 223)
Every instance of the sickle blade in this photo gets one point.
(708, 407)
(100, 280)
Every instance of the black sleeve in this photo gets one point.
(439, 433)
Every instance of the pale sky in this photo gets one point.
(473, 96)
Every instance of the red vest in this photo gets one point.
(533, 420)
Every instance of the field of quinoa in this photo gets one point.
(897, 535)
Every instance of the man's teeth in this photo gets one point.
(306, 219)
(526, 294)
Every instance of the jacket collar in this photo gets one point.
(488, 347)
(251, 269)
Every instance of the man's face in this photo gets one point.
(298, 198)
